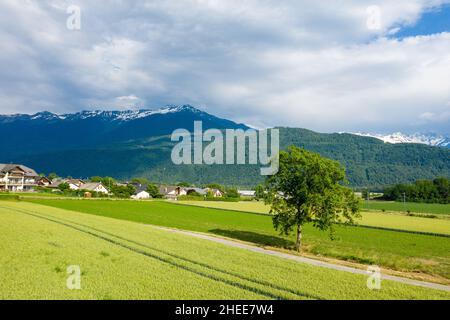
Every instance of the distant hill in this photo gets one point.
(137, 143)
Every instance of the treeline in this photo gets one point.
(430, 191)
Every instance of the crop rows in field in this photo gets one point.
(124, 260)
(399, 251)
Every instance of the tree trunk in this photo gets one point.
(298, 245)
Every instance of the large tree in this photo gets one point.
(309, 189)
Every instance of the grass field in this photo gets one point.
(433, 208)
(126, 260)
(253, 206)
(395, 250)
(372, 219)
(31, 194)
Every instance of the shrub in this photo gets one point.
(191, 198)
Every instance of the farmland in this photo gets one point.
(433, 208)
(260, 207)
(423, 255)
(126, 260)
(372, 219)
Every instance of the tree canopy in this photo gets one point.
(431, 191)
(153, 190)
(309, 189)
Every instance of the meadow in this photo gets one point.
(372, 219)
(127, 260)
(260, 207)
(420, 255)
(413, 207)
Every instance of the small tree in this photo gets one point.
(124, 192)
(260, 192)
(154, 191)
(52, 176)
(64, 187)
(232, 193)
(141, 181)
(308, 189)
(108, 182)
(184, 184)
(365, 194)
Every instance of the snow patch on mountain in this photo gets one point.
(138, 114)
(430, 139)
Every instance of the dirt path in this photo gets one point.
(309, 261)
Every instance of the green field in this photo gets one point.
(19, 195)
(126, 260)
(372, 219)
(433, 208)
(253, 206)
(395, 250)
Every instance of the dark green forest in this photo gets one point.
(429, 191)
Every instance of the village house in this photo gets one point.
(43, 182)
(141, 193)
(190, 191)
(216, 193)
(94, 187)
(73, 184)
(172, 192)
(76, 184)
(17, 178)
(247, 193)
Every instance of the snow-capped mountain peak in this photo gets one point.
(120, 116)
(430, 139)
(129, 115)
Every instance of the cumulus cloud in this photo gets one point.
(314, 64)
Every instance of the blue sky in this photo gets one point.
(356, 65)
(434, 21)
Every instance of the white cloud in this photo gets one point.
(128, 98)
(313, 64)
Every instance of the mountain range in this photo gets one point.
(126, 144)
(45, 131)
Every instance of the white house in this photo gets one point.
(17, 177)
(172, 192)
(43, 182)
(73, 184)
(94, 187)
(247, 193)
(141, 195)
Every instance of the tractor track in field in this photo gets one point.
(231, 243)
(91, 231)
(305, 260)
